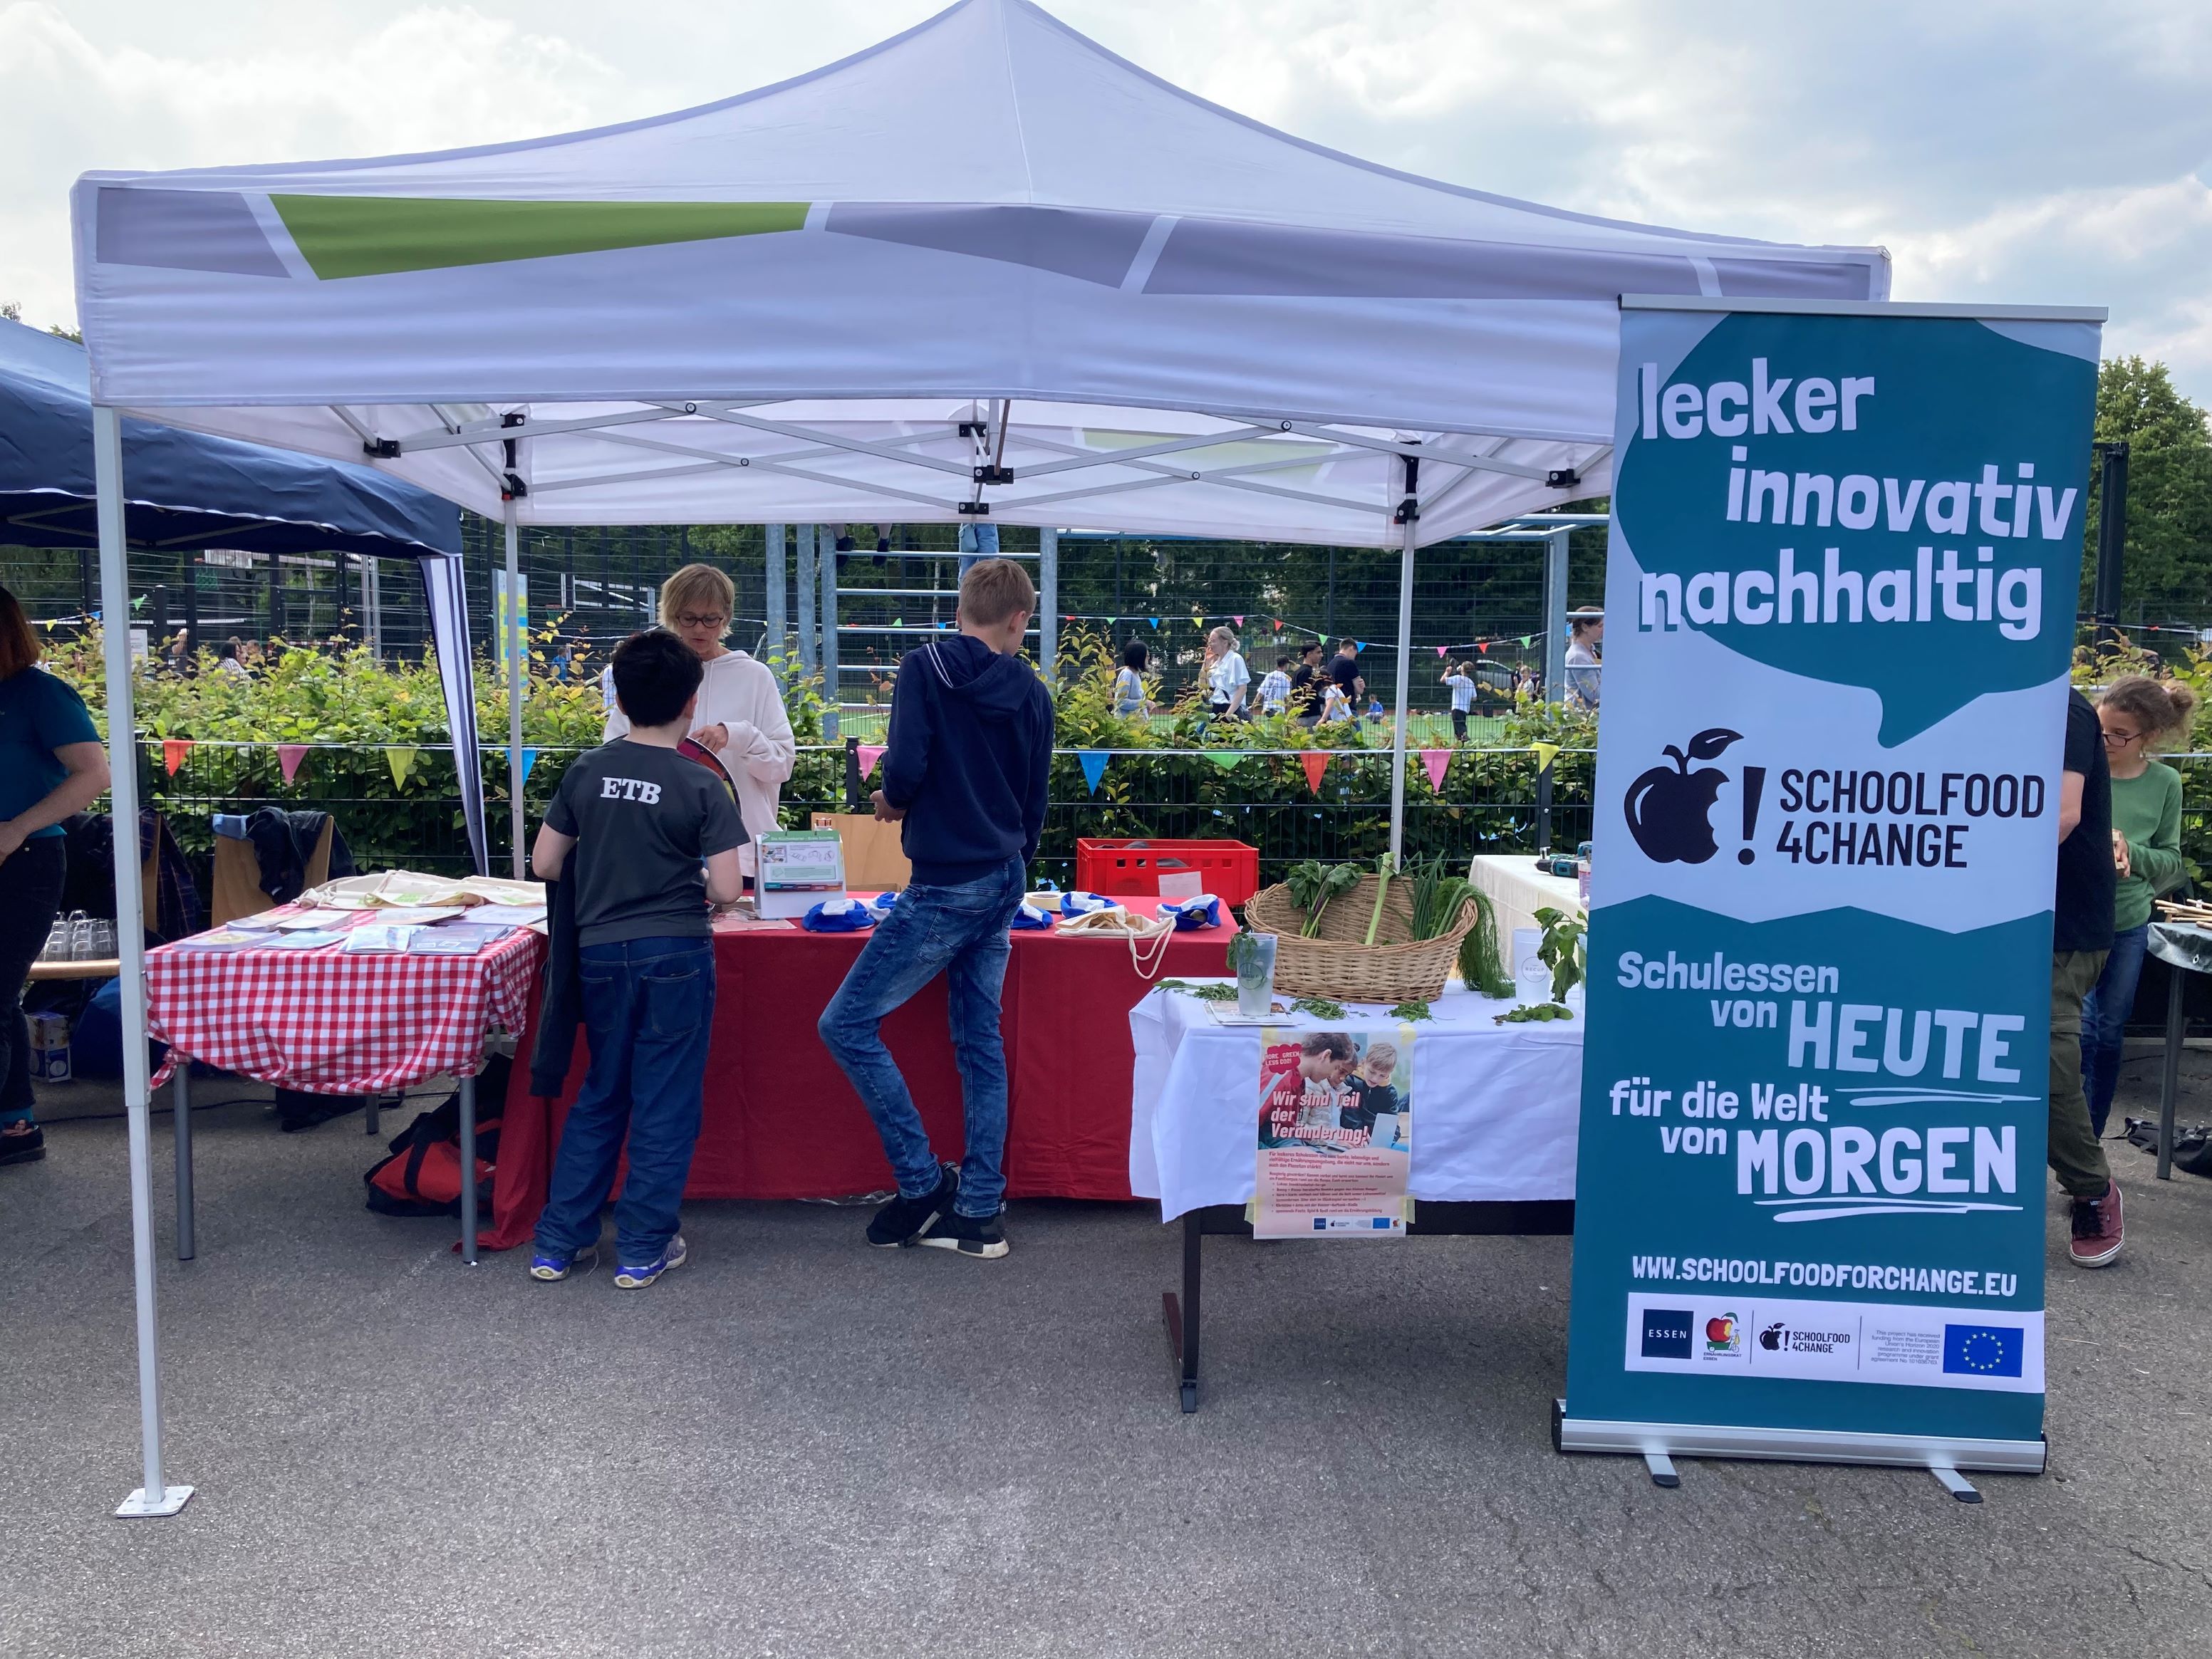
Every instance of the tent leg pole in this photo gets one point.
(1404, 667)
(517, 645)
(1555, 616)
(155, 1497)
(1048, 604)
(779, 631)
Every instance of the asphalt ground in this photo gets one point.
(800, 1446)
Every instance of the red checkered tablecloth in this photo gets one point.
(335, 1022)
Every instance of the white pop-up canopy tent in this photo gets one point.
(984, 271)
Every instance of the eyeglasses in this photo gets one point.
(2120, 739)
(690, 620)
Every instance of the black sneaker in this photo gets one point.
(25, 1148)
(904, 1220)
(980, 1237)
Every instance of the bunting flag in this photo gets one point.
(1483, 646)
(1315, 760)
(1093, 761)
(289, 756)
(1546, 753)
(402, 762)
(173, 750)
(1437, 760)
(528, 760)
(1239, 621)
(1525, 641)
(1155, 621)
(1442, 650)
(1226, 759)
(870, 754)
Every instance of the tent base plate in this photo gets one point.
(172, 1499)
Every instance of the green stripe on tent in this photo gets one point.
(370, 235)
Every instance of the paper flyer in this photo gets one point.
(1335, 1134)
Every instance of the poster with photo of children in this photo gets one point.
(1335, 1136)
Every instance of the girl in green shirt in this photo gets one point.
(2138, 715)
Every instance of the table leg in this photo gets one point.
(180, 1120)
(1183, 1316)
(2170, 1085)
(372, 1118)
(469, 1171)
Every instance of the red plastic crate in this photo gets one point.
(1229, 870)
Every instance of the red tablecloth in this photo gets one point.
(337, 1022)
(782, 1123)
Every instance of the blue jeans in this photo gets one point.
(2105, 1013)
(647, 1005)
(959, 931)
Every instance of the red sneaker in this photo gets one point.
(2097, 1231)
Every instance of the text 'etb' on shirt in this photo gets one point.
(636, 789)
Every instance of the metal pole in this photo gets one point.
(468, 1093)
(180, 1123)
(2111, 539)
(806, 590)
(1048, 603)
(514, 643)
(1410, 512)
(779, 634)
(832, 694)
(1555, 615)
(154, 1496)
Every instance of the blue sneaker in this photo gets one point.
(636, 1278)
(551, 1269)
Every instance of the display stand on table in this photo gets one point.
(2185, 949)
(1494, 1126)
(335, 1022)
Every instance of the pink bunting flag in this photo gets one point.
(1437, 760)
(1441, 650)
(1315, 760)
(870, 754)
(1239, 621)
(173, 750)
(289, 756)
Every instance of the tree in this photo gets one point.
(2168, 574)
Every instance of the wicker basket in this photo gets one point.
(1396, 967)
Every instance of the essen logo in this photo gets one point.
(1667, 1333)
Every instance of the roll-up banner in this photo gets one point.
(1840, 597)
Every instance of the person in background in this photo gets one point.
(1343, 670)
(966, 774)
(739, 717)
(1226, 675)
(1335, 707)
(52, 764)
(1275, 688)
(230, 659)
(654, 838)
(1307, 683)
(178, 658)
(2081, 938)
(2138, 715)
(1129, 699)
(1585, 642)
(1462, 698)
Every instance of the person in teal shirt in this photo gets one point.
(2138, 715)
(52, 764)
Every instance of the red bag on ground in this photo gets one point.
(422, 1176)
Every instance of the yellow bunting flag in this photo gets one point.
(1546, 753)
(402, 762)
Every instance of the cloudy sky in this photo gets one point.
(2058, 152)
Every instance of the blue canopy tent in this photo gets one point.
(72, 475)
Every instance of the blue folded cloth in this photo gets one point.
(843, 915)
(1198, 910)
(1080, 904)
(1029, 916)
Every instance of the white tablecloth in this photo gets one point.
(1517, 890)
(1495, 1107)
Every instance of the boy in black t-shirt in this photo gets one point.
(647, 838)
(2081, 938)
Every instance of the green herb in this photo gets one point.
(1242, 949)
(1203, 992)
(1412, 1011)
(1561, 950)
(1314, 883)
(1319, 1007)
(1532, 1012)
(1480, 965)
(1381, 887)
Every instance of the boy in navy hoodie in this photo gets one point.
(971, 736)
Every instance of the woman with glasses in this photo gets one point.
(2138, 715)
(741, 718)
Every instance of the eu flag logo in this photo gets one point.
(1984, 1350)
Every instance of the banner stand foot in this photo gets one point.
(172, 1499)
(1957, 1484)
(1662, 1469)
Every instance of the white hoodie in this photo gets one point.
(741, 692)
